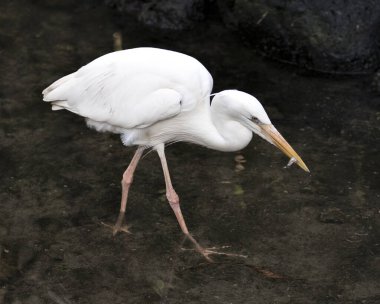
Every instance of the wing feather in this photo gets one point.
(133, 88)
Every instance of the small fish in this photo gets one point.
(291, 162)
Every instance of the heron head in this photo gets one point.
(249, 112)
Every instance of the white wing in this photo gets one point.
(132, 88)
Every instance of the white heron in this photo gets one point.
(153, 97)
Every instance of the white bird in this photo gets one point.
(153, 97)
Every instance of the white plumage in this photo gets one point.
(151, 97)
(128, 91)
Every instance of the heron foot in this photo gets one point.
(118, 225)
(207, 252)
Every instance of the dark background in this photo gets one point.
(308, 238)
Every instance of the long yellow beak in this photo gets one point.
(283, 145)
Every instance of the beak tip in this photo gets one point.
(303, 166)
(276, 139)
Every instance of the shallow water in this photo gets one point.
(308, 238)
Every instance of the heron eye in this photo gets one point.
(255, 120)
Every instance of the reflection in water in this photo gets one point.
(163, 282)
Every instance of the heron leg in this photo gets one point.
(125, 184)
(174, 204)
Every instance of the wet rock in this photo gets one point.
(172, 15)
(329, 36)
(332, 215)
(239, 161)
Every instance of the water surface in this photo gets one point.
(308, 238)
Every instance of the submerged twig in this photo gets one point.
(117, 41)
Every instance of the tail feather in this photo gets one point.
(59, 105)
(47, 93)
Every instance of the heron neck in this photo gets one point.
(207, 127)
(233, 135)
